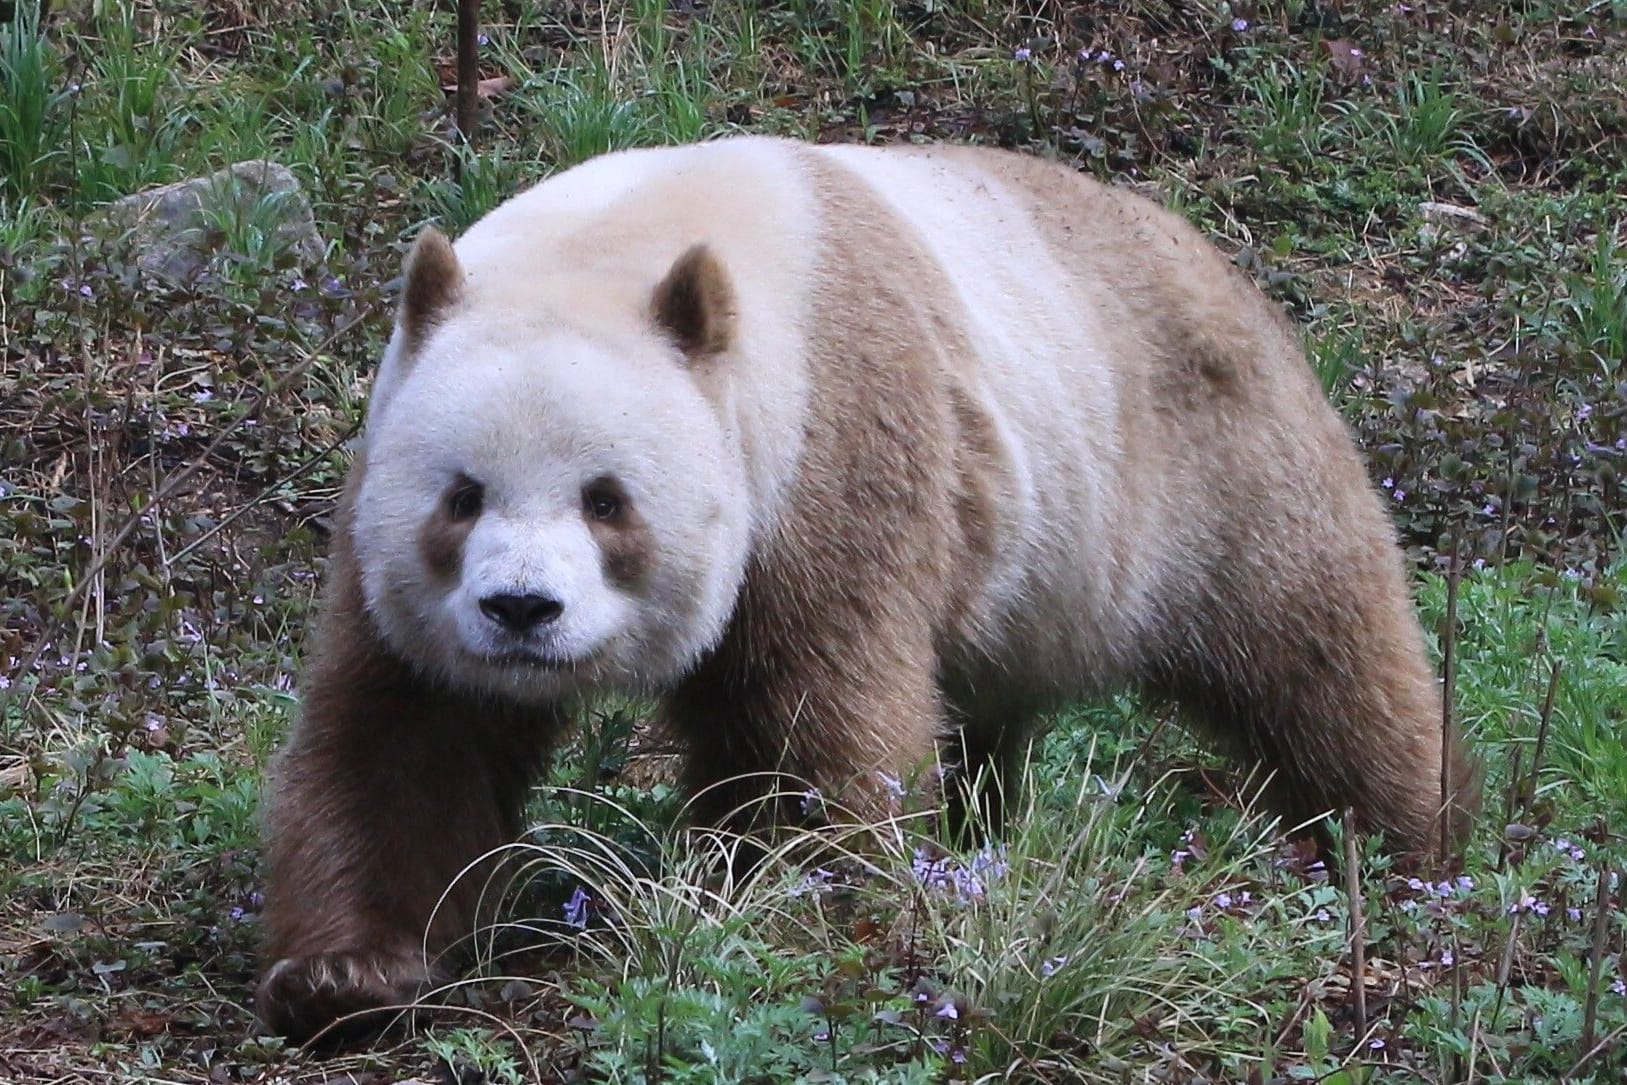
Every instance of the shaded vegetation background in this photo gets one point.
(1433, 189)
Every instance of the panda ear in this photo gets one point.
(434, 285)
(695, 304)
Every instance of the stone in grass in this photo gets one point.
(256, 209)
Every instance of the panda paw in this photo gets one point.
(338, 998)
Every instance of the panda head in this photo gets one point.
(549, 501)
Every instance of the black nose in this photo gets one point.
(519, 613)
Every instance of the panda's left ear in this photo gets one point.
(434, 284)
(695, 304)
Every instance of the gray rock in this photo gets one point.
(254, 209)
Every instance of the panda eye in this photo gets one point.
(465, 499)
(602, 499)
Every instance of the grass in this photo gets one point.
(170, 454)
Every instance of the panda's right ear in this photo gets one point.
(434, 285)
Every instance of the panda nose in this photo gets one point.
(521, 613)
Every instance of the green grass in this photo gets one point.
(31, 105)
(1140, 922)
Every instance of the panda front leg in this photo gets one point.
(800, 733)
(387, 790)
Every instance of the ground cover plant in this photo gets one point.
(1433, 189)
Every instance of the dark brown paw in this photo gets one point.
(337, 998)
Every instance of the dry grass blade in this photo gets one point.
(1601, 937)
(1358, 927)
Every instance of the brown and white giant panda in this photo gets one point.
(843, 451)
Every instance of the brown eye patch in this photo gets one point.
(443, 534)
(626, 544)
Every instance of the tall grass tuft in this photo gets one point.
(880, 949)
(31, 106)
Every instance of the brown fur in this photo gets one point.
(626, 544)
(696, 304)
(434, 284)
(1289, 632)
(441, 540)
(1295, 639)
(390, 786)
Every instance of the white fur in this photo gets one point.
(549, 371)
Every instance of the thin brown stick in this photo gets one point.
(1510, 803)
(1601, 931)
(1596, 1050)
(264, 495)
(468, 105)
(1505, 969)
(1457, 1006)
(1528, 793)
(1449, 648)
(1358, 924)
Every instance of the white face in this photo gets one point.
(545, 516)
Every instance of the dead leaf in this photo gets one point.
(494, 87)
(144, 1023)
(1347, 58)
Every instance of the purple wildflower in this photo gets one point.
(576, 909)
(814, 885)
(1052, 966)
(1022, 55)
(991, 863)
(1528, 903)
(894, 786)
(948, 1012)
(1239, 25)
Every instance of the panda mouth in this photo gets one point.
(532, 660)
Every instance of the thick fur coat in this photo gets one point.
(845, 452)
